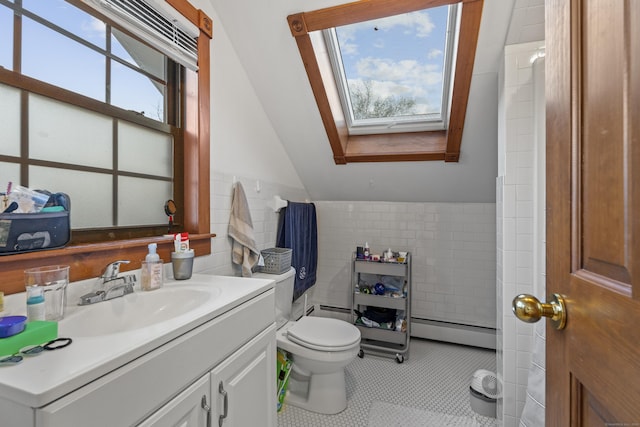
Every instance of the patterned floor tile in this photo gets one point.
(435, 377)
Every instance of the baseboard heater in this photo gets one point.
(437, 330)
(476, 336)
(334, 309)
(297, 310)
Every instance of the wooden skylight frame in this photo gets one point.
(408, 146)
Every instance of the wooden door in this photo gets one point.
(593, 211)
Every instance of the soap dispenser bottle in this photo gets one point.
(152, 269)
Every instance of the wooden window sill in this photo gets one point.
(89, 260)
(396, 147)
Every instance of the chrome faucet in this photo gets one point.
(110, 285)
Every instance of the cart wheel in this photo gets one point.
(399, 358)
(361, 353)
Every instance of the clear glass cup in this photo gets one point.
(54, 280)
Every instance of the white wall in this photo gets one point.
(452, 246)
(244, 147)
(516, 209)
(264, 218)
(453, 243)
(264, 45)
(243, 140)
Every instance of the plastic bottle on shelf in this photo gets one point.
(366, 250)
(388, 255)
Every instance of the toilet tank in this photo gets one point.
(284, 293)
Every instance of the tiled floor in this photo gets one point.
(435, 377)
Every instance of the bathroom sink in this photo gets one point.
(111, 334)
(134, 311)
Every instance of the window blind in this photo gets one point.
(158, 24)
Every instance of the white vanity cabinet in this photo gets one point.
(176, 382)
(191, 408)
(243, 387)
(240, 391)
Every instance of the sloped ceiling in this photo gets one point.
(260, 35)
(527, 22)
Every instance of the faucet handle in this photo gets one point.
(112, 270)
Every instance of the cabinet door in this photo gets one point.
(188, 409)
(244, 385)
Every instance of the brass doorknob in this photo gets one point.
(529, 309)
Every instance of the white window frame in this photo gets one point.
(415, 123)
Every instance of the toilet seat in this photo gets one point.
(324, 334)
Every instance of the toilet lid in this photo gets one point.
(323, 333)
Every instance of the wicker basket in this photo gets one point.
(276, 260)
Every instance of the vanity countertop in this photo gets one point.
(37, 381)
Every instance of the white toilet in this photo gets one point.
(319, 349)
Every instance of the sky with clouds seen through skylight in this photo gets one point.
(401, 56)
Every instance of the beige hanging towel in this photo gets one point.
(244, 251)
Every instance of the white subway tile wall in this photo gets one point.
(452, 246)
(265, 220)
(515, 228)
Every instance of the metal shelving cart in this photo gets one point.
(391, 303)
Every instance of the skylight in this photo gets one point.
(402, 138)
(393, 73)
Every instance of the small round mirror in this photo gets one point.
(170, 210)
(170, 207)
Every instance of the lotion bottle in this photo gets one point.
(35, 303)
(152, 268)
(152, 256)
